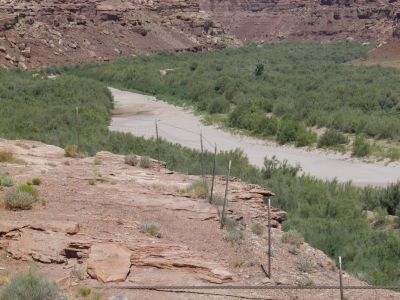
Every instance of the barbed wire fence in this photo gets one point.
(200, 142)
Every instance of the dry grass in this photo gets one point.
(198, 189)
(6, 155)
(152, 229)
(292, 237)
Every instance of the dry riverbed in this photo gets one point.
(136, 113)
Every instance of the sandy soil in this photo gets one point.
(137, 113)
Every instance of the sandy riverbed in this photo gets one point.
(137, 113)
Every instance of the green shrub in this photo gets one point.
(14, 199)
(198, 189)
(332, 138)
(26, 188)
(97, 162)
(29, 286)
(84, 291)
(145, 162)
(361, 147)
(305, 137)
(152, 229)
(6, 180)
(131, 160)
(292, 237)
(36, 181)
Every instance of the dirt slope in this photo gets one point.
(80, 234)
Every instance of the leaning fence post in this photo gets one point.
(340, 278)
(201, 155)
(226, 194)
(269, 237)
(213, 175)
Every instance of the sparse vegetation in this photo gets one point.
(30, 286)
(84, 291)
(257, 229)
(36, 181)
(293, 237)
(71, 151)
(6, 155)
(218, 200)
(15, 199)
(233, 232)
(198, 189)
(152, 229)
(26, 188)
(145, 162)
(131, 160)
(6, 180)
(305, 264)
(97, 162)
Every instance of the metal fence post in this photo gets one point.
(158, 146)
(226, 194)
(341, 279)
(213, 175)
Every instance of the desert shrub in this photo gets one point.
(305, 264)
(145, 162)
(287, 131)
(292, 237)
(361, 147)
(257, 229)
(198, 189)
(14, 199)
(233, 235)
(293, 249)
(84, 291)
(332, 138)
(30, 286)
(97, 162)
(305, 282)
(152, 229)
(6, 180)
(6, 155)
(218, 200)
(274, 167)
(26, 188)
(36, 181)
(71, 151)
(131, 160)
(305, 137)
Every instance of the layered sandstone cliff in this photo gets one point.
(37, 33)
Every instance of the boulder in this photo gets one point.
(109, 262)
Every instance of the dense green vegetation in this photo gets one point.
(330, 215)
(270, 90)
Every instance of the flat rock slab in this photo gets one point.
(109, 262)
(42, 246)
(176, 257)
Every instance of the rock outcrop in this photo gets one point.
(37, 33)
(299, 20)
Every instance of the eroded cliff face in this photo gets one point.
(315, 20)
(37, 33)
